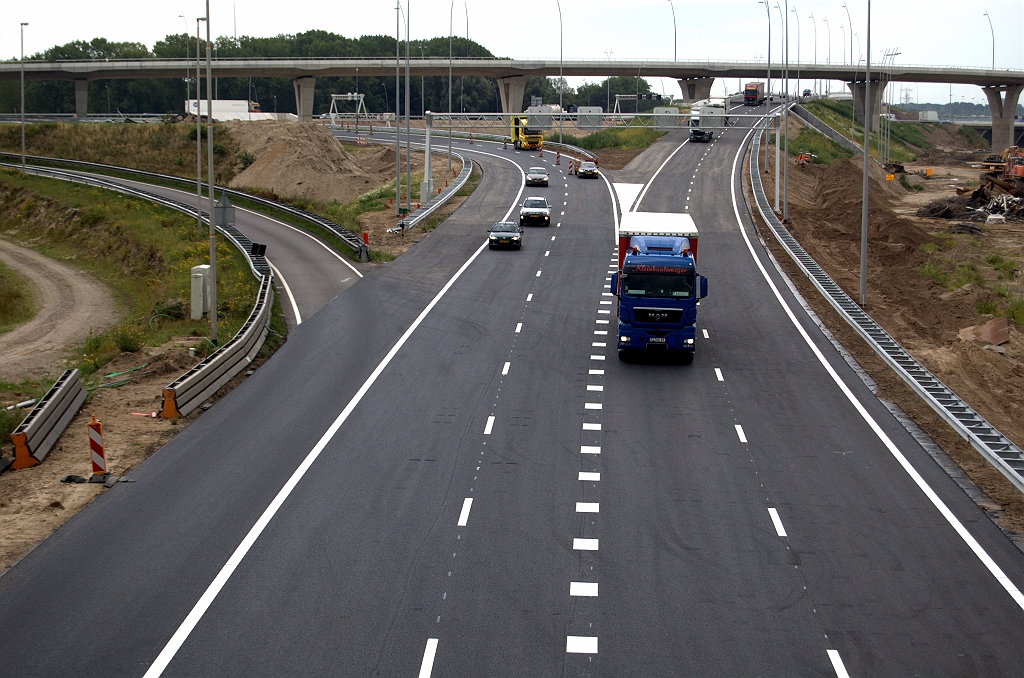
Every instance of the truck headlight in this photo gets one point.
(689, 342)
(624, 339)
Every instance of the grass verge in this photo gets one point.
(613, 137)
(16, 304)
(906, 138)
(823, 150)
(143, 252)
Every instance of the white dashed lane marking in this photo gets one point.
(519, 328)
(583, 588)
(581, 644)
(504, 370)
(596, 372)
(591, 406)
(705, 334)
(777, 522)
(595, 387)
(597, 357)
(739, 432)
(718, 373)
(587, 507)
(427, 665)
(467, 504)
(590, 449)
(590, 477)
(490, 424)
(584, 544)
(591, 427)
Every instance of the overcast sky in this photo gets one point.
(930, 32)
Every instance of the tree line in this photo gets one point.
(471, 94)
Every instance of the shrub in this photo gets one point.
(128, 338)
(986, 305)
(245, 158)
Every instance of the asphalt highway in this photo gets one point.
(447, 472)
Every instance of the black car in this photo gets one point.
(505, 234)
(587, 169)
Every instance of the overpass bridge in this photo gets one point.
(695, 78)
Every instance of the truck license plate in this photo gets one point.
(656, 340)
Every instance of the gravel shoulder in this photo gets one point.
(70, 303)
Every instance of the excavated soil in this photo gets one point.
(924, 316)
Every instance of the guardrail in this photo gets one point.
(826, 129)
(996, 448)
(350, 239)
(441, 198)
(40, 429)
(188, 391)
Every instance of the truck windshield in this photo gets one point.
(659, 286)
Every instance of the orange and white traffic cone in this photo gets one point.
(504, 142)
(99, 458)
(470, 137)
(541, 152)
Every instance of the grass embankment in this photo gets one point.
(143, 252)
(629, 138)
(996, 273)
(822, 149)
(167, 148)
(16, 304)
(907, 138)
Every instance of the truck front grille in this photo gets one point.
(658, 315)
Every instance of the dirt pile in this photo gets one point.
(297, 160)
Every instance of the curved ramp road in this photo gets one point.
(447, 472)
(307, 271)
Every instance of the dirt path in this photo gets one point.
(70, 303)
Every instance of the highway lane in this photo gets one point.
(195, 500)
(309, 272)
(366, 561)
(702, 581)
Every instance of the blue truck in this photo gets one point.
(657, 285)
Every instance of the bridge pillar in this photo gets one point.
(304, 97)
(877, 87)
(512, 89)
(1003, 111)
(696, 89)
(81, 98)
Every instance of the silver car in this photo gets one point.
(537, 176)
(535, 211)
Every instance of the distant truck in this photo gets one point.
(228, 109)
(523, 137)
(657, 284)
(753, 94)
(704, 119)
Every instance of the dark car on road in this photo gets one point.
(535, 211)
(505, 234)
(587, 169)
(537, 176)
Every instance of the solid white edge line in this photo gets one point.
(937, 502)
(467, 504)
(777, 522)
(288, 291)
(837, 664)
(199, 609)
(427, 665)
(640, 198)
(615, 205)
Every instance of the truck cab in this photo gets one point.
(523, 137)
(657, 285)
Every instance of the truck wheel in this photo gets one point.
(686, 358)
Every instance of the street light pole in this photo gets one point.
(675, 33)
(986, 14)
(768, 84)
(408, 132)
(451, 12)
(398, 110)
(815, 24)
(209, 177)
(199, 142)
(799, 89)
(23, 24)
(867, 162)
(560, 87)
(828, 59)
(785, 155)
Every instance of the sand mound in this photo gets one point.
(297, 160)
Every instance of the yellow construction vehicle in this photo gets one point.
(523, 137)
